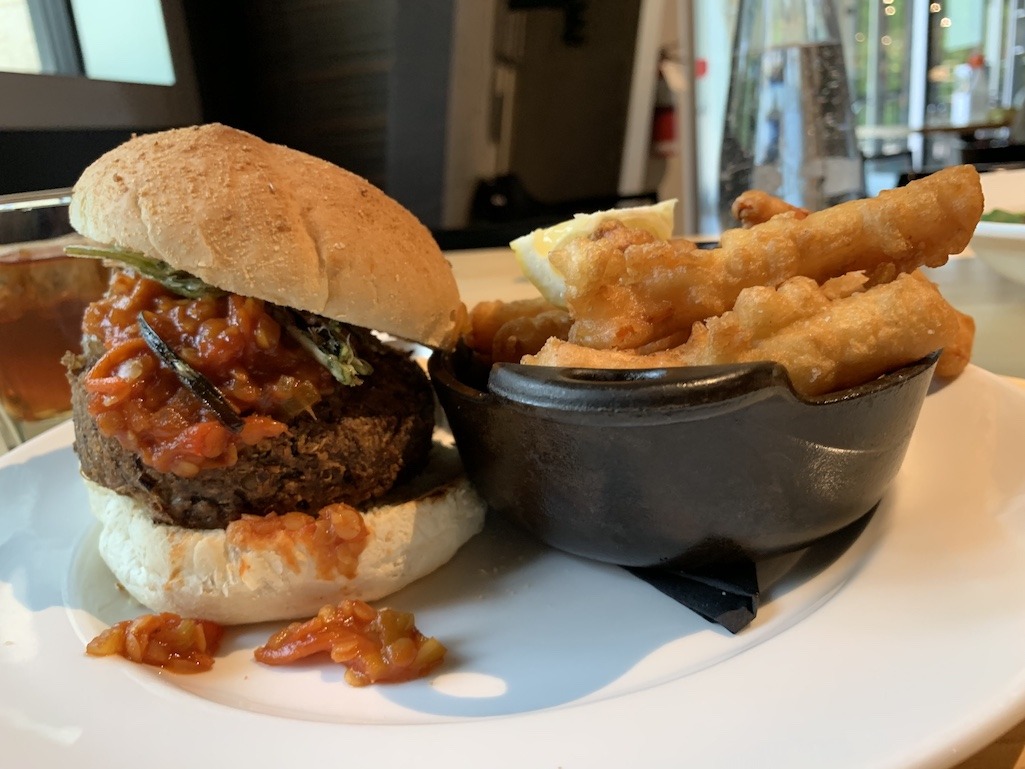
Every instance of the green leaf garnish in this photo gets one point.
(328, 341)
(178, 281)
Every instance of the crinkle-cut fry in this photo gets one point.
(756, 206)
(825, 345)
(625, 291)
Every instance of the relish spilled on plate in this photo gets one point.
(377, 646)
(163, 640)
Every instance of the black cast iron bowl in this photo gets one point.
(678, 468)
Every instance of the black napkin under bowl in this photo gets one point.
(681, 468)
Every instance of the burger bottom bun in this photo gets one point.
(197, 573)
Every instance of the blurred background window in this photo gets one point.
(911, 65)
(951, 70)
(86, 37)
(108, 54)
(18, 49)
(486, 117)
(78, 77)
(879, 48)
(961, 34)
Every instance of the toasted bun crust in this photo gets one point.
(196, 573)
(267, 221)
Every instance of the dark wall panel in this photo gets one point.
(43, 160)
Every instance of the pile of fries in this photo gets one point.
(835, 296)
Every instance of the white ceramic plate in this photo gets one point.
(1002, 245)
(900, 647)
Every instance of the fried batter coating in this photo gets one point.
(527, 335)
(626, 290)
(957, 353)
(755, 206)
(486, 318)
(825, 344)
(506, 331)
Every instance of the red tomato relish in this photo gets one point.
(230, 339)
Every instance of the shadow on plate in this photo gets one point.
(553, 629)
(527, 627)
(43, 513)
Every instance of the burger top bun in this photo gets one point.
(267, 221)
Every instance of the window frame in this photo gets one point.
(43, 101)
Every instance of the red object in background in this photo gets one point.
(663, 124)
(663, 131)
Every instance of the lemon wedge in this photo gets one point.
(533, 249)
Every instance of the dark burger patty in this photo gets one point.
(362, 442)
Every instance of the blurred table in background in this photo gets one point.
(899, 132)
(915, 152)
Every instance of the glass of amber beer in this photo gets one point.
(43, 293)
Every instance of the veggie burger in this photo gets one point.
(252, 451)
